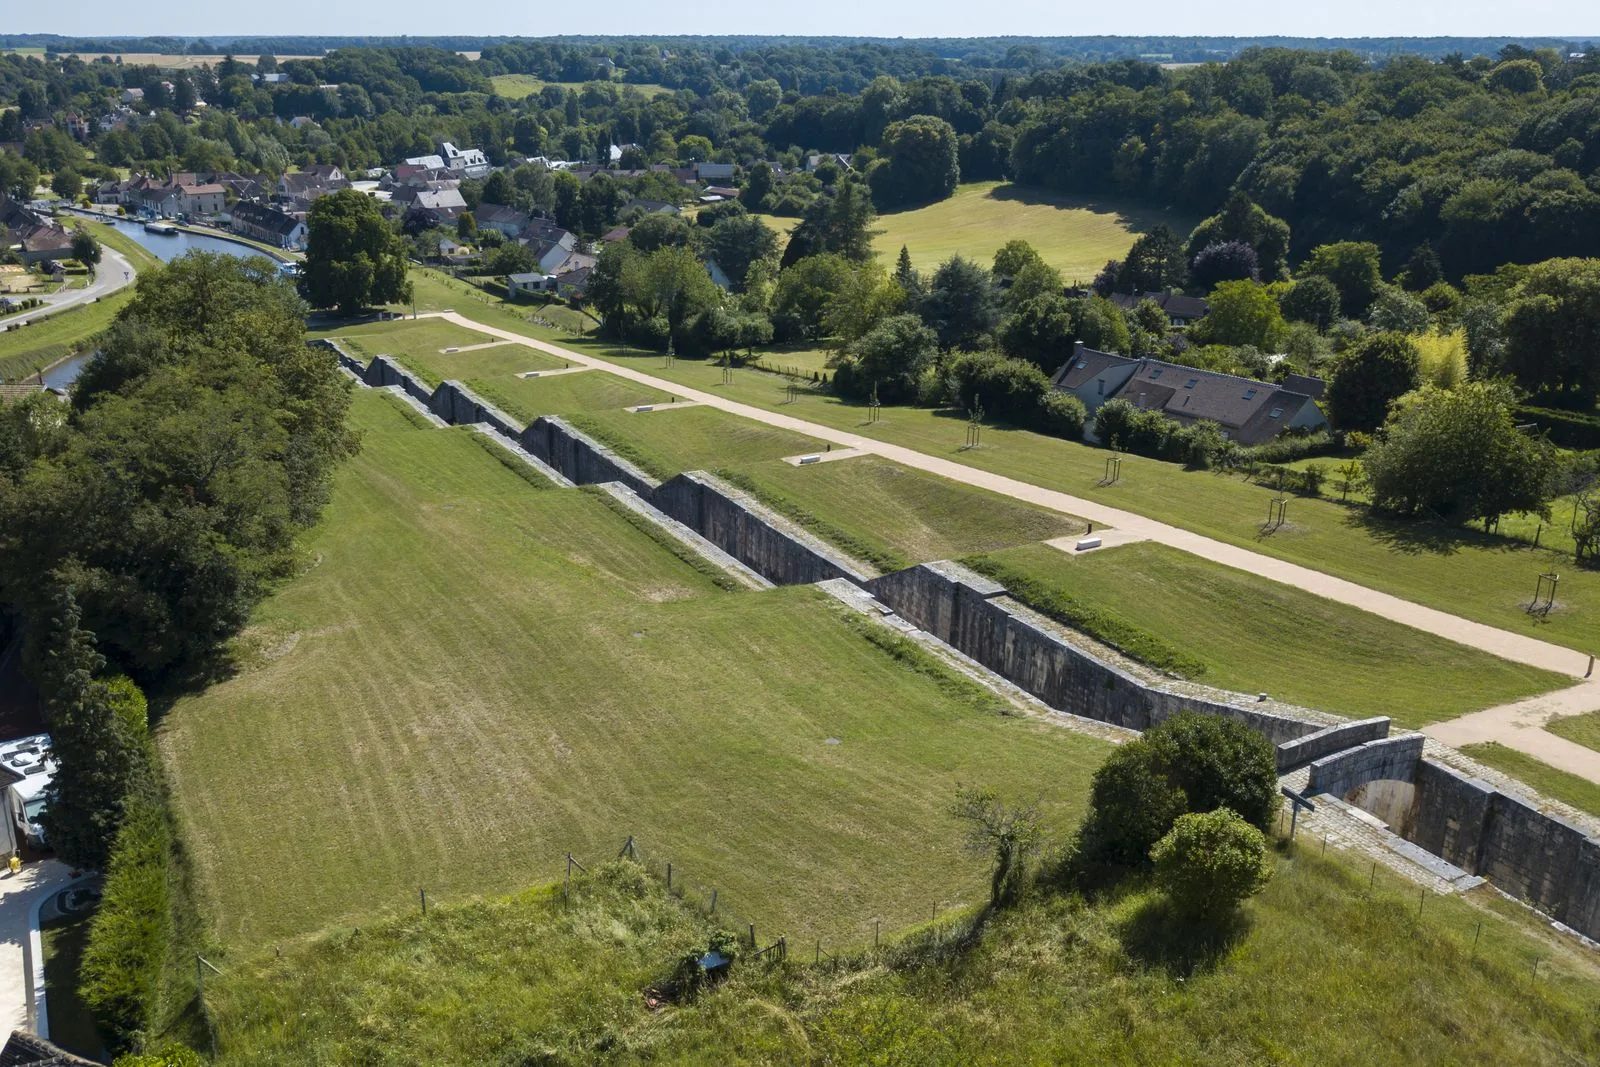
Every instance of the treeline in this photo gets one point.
(139, 525)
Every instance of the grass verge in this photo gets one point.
(1552, 782)
(1581, 729)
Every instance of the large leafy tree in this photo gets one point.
(353, 259)
(739, 242)
(962, 305)
(1458, 453)
(1241, 313)
(839, 222)
(889, 359)
(919, 163)
(1379, 370)
(1241, 219)
(1353, 267)
(1551, 330)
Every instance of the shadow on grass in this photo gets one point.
(1158, 935)
(1129, 213)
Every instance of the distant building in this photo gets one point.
(264, 223)
(712, 172)
(1249, 412)
(1180, 310)
(465, 162)
(506, 221)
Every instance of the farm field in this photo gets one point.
(1056, 980)
(1463, 571)
(1076, 235)
(517, 86)
(1255, 635)
(475, 676)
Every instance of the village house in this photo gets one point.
(1180, 310)
(1248, 411)
(261, 222)
(464, 162)
(507, 221)
(132, 96)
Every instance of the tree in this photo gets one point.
(1354, 269)
(1241, 219)
(1313, 299)
(1188, 763)
(889, 359)
(1399, 311)
(1517, 77)
(1379, 370)
(905, 275)
(838, 222)
(757, 187)
(659, 230)
(98, 761)
(1211, 862)
(1011, 258)
(466, 226)
(1155, 263)
(739, 242)
(353, 260)
(511, 258)
(85, 249)
(918, 163)
(1241, 313)
(1041, 331)
(805, 292)
(1009, 834)
(66, 184)
(1224, 261)
(961, 305)
(1458, 453)
(1551, 330)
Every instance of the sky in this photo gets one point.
(857, 18)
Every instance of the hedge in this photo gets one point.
(1569, 429)
(132, 930)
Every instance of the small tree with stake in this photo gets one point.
(1009, 834)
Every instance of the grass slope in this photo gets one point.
(1253, 635)
(1318, 970)
(476, 676)
(517, 86)
(1074, 234)
(1485, 578)
(417, 343)
(1552, 782)
(1583, 729)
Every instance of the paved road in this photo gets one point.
(1510, 725)
(115, 272)
(18, 892)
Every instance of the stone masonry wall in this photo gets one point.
(973, 615)
(582, 458)
(1389, 758)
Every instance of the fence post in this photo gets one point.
(669, 877)
(752, 936)
(875, 924)
(424, 893)
(713, 901)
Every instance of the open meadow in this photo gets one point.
(474, 676)
(1075, 235)
(517, 86)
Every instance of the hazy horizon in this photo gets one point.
(888, 18)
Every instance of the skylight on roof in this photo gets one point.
(1082, 363)
(1191, 383)
(1249, 394)
(1275, 413)
(1156, 373)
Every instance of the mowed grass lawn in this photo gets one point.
(417, 343)
(517, 86)
(1463, 571)
(1583, 729)
(1256, 635)
(1075, 235)
(475, 676)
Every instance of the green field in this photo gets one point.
(1076, 235)
(517, 86)
(475, 676)
(1552, 782)
(1255, 635)
(1319, 969)
(1583, 729)
(416, 343)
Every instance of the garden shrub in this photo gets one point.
(1211, 862)
(132, 929)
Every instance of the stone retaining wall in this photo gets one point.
(1391, 758)
(582, 458)
(1540, 858)
(1330, 739)
(752, 534)
(975, 616)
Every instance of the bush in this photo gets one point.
(1307, 482)
(1210, 862)
(1569, 429)
(1189, 763)
(1123, 427)
(132, 929)
(653, 334)
(1061, 415)
(1290, 446)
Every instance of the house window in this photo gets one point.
(1249, 394)
(1156, 373)
(1191, 383)
(1082, 363)
(1275, 413)
(1141, 401)
(1100, 387)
